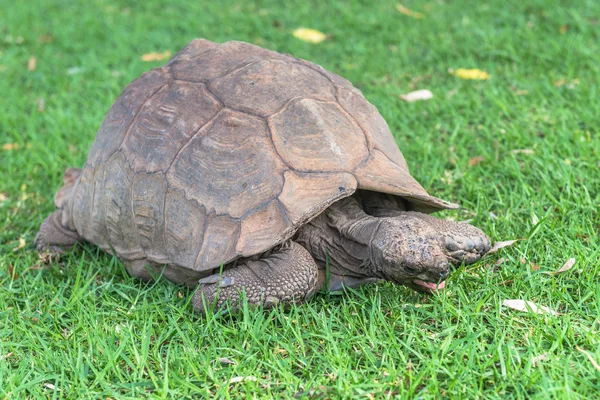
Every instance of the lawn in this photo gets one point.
(519, 151)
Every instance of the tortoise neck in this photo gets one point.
(341, 237)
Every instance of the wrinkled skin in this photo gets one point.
(408, 248)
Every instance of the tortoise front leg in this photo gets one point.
(287, 275)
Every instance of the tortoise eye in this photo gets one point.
(411, 270)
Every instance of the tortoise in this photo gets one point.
(235, 169)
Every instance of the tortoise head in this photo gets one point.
(409, 252)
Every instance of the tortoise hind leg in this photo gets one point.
(57, 233)
(288, 275)
(53, 236)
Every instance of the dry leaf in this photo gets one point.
(499, 245)
(154, 56)
(506, 282)
(522, 151)
(226, 361)
(242, 378)
(10, 146)
(3, 196)
(522, 260)
(414, 14)
(534, 266)
(74, 70)
(536, 360)
(41, 104)
(564, 81)
(475, 160)
(46, 38)
(50, 386)
(417, 95)
(519, 92)
(21, 244)
(527, 306)
(31, 63)
(564, 29)
(11, 272)
(309, 35)
(566, 266)
(589, 356)
(473, 74)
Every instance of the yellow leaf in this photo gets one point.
(154, 56)
(21, 244)
(309, 35)
(410, 13)
(474, 74)
(10, 146)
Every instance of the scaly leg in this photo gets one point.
(287, 275)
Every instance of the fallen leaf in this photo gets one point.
(506, 282)
(527, 306)
(566, 266)
(309, 35)
(21, 244)
(46, 38)
(475, 160)
(41, 104)
(522, 260)
(404, 10)
(560, 82)
(3, 196)
(589, 356)
(226, 361)
(534, 266)
(242, 378)
(31, 63)
(522, 151)
(536, 360)
(566, 83)
(50, 386)
(473, 74)
(74, 70)
(500, 261)
(519, 92)
(154, 56)
(11, 146)
(564, 29)
(500, 245)
(11, 272)
(417, 95)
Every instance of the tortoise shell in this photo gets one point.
(225, 152)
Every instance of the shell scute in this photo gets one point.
(231, 167)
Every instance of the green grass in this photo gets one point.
(84, 329)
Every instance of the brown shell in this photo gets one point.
(226, 151)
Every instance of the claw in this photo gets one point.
(222, 281)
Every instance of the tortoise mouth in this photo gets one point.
(428, 287)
